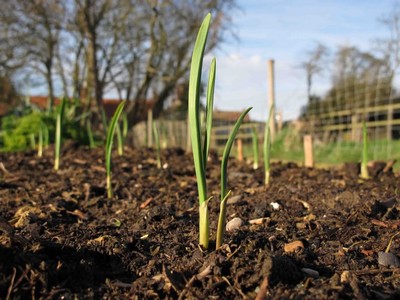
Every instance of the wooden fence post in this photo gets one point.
(239, 149)
(308, 151)
(280, 121)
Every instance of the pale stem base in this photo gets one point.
(204, 225)
(109, 188)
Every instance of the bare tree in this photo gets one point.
(139, 48)
(315, 64)
(35, 26)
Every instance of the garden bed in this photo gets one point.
(60, 237)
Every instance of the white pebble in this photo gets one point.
(275, 205)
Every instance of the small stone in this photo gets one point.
(234, 224)
(291, 247)
(345, 277)
(275, 205)
(234, 199)
(301, 225)
(388, 259)
(310, 272)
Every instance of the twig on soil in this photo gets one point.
(390, 242)
(10, 288)
(3, 169)
(389, 165)
(145, 203)
(234, 252)
(198, 276)
(375, 271)
(263, 289)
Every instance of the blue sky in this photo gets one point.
(284, 30)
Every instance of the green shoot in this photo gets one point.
(224, 166)
(103, 119)
(120, 141)
(364, 159)
(109, 143)
(40, 141)
(195, 129)
(164, 138)
(59, 121)
(267, 147)
(46, 135)
(32, 140)
(157, 141)
(210, 106)
(125, 125)
(254, 136)
(90, 134)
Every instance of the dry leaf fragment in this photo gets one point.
(306, 205)
(291, 247)
(77, 213)
(379, 223)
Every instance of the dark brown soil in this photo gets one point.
(61, 238)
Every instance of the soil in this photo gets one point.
(61, 238)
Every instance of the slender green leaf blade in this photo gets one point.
(210, 109)
(110, 135)
(227, 151)
(193, 106)
(267, 140)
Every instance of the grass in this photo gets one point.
(288, 147)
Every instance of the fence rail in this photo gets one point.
(175, 133)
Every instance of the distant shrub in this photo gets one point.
(17, 129)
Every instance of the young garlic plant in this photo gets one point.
(364, 160)
(120, 141)
(195, 129)
(40, 141)
(254, 138)
(224, 167)
(158, 147)
(267, 147)
(58, 137)
(109, 143)
(125, 125)
(90, 134)
(46, 135)
(201, 148)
